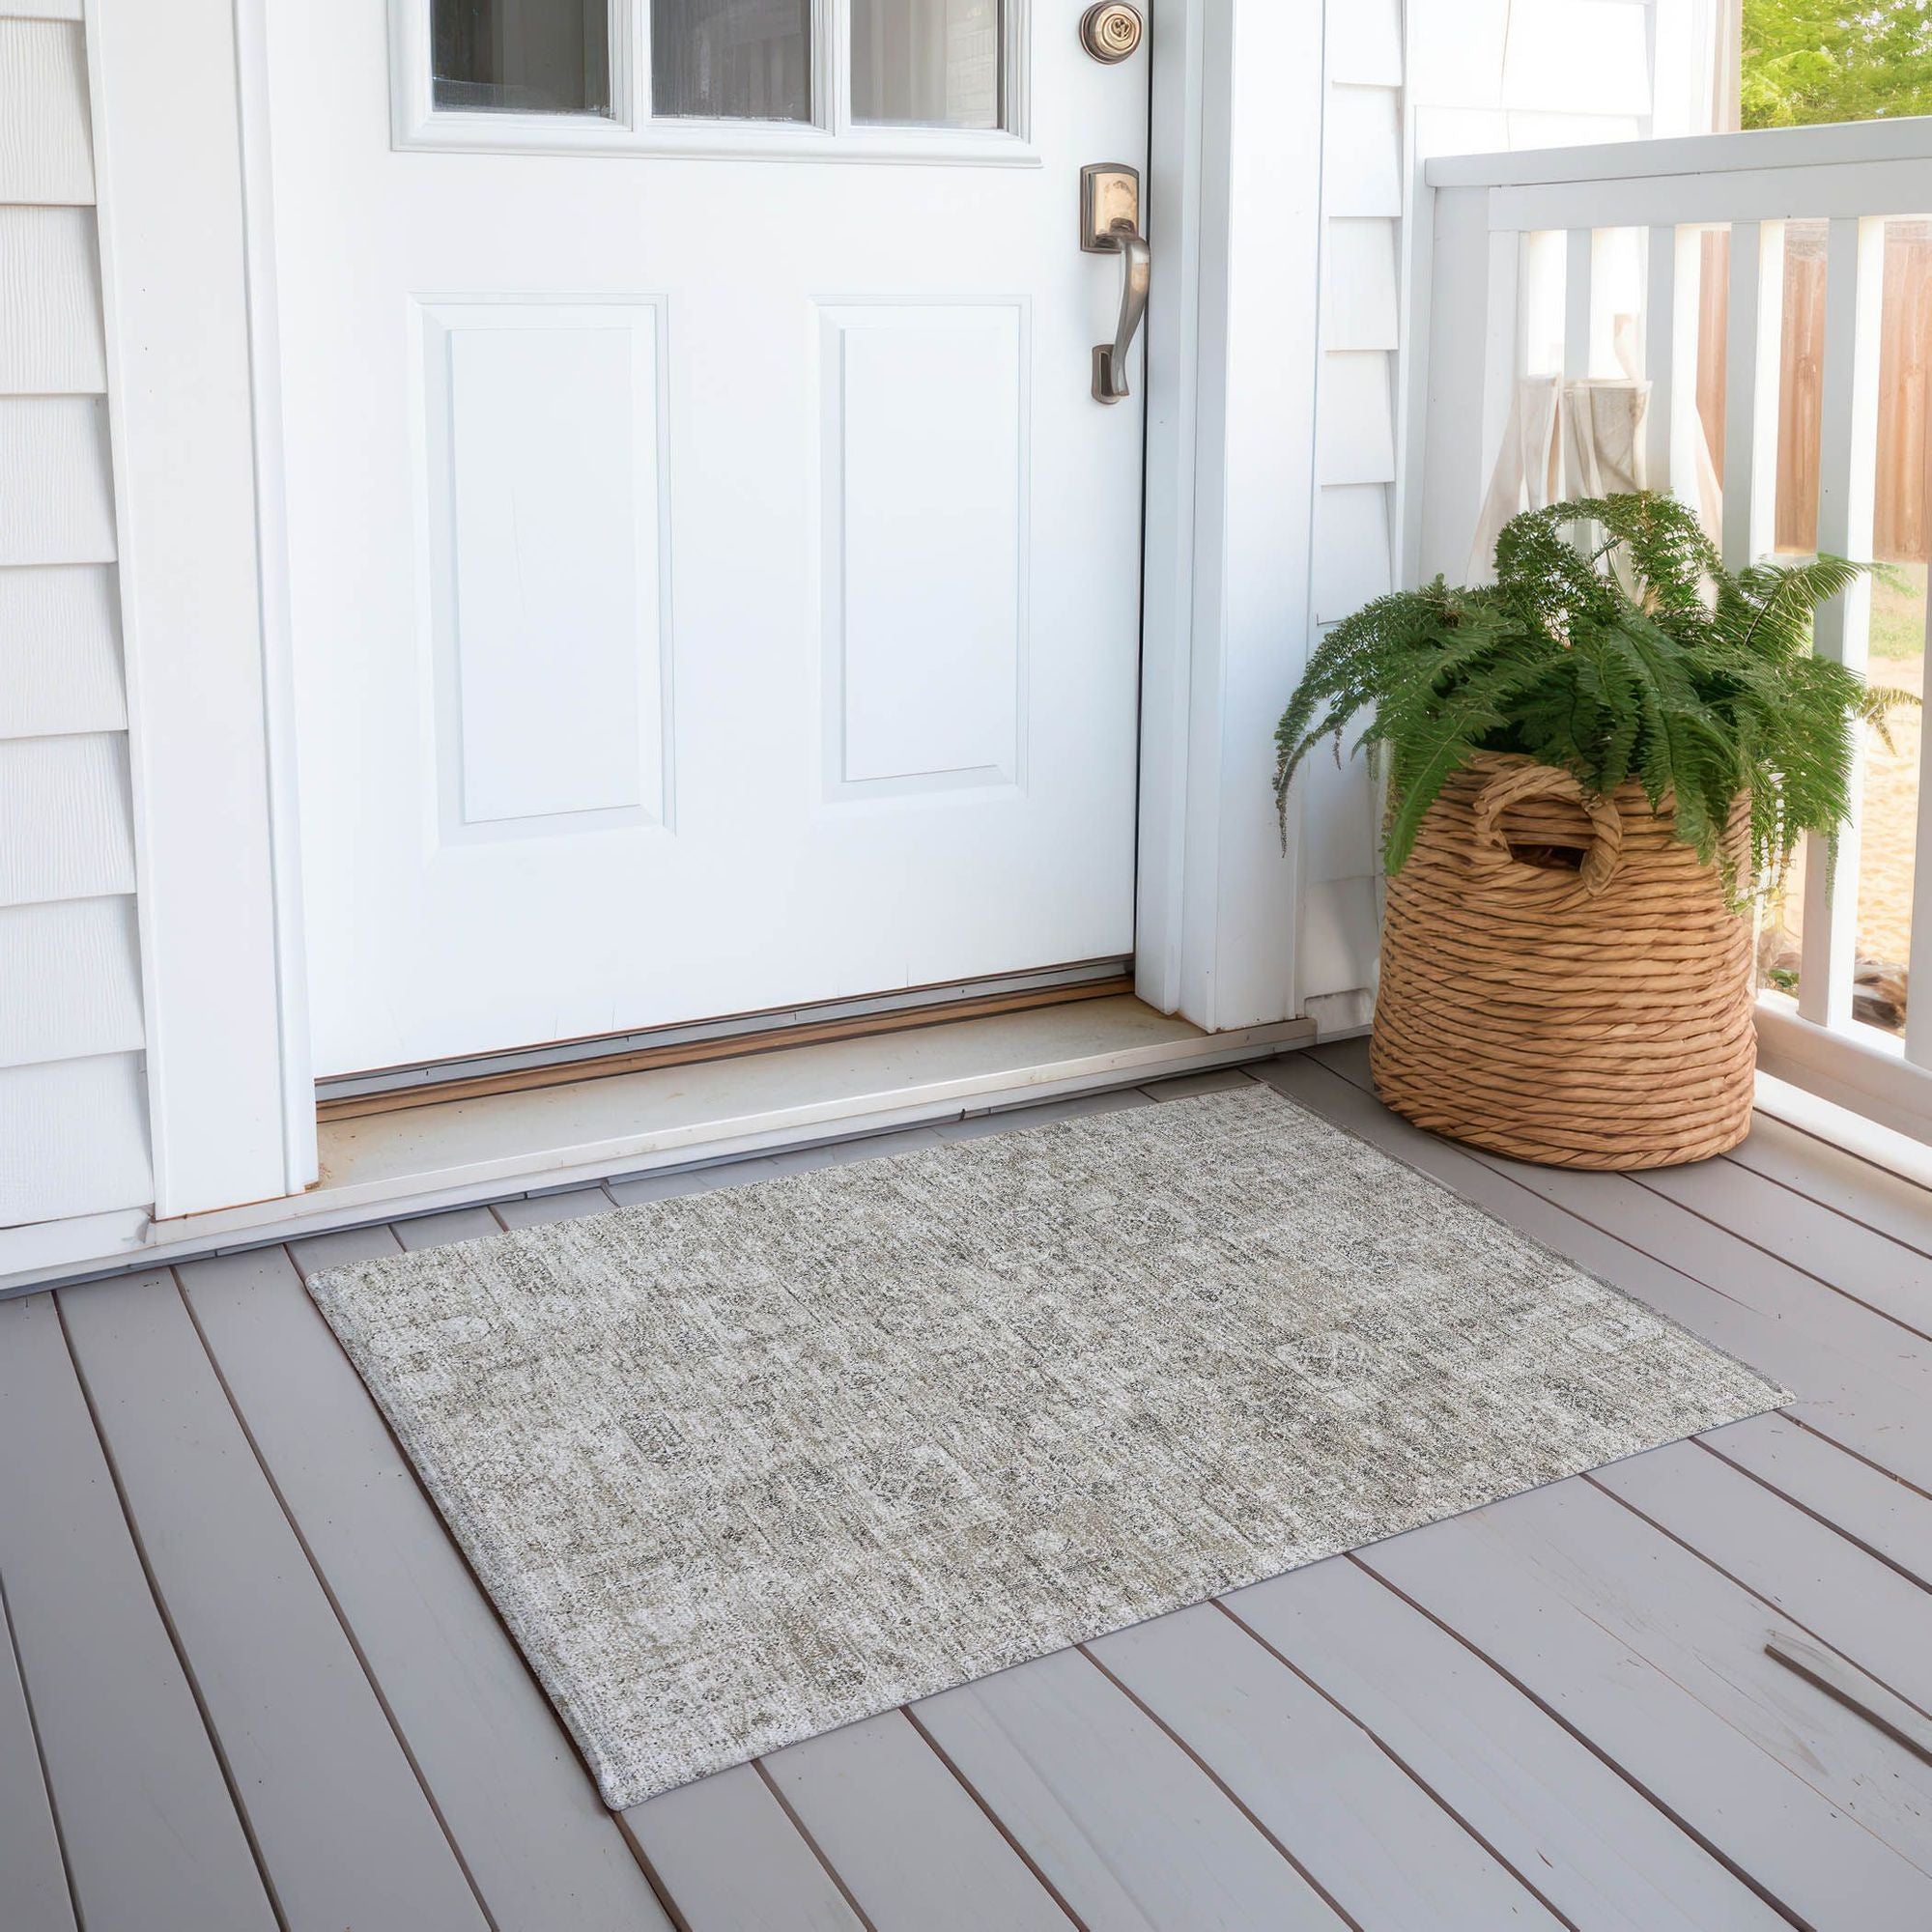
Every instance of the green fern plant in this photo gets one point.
(1614, 645)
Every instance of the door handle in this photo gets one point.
(1110, 224)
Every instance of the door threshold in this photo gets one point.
(457, 1152)
(391, 1090)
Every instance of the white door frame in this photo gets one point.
(183, 154)
(190, 370)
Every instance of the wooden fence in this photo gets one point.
(1903, 521)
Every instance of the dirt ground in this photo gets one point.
(1891, 822)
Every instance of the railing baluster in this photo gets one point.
(1454, 478)
(1751, 391)
(1847, 481)
(1918, 1015)
(1672, 426)
(1502, 346)
(1579, 281)
(1660, 358)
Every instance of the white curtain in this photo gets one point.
(1577, 437)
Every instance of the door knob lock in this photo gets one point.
(1110, 224)
(1109, 32)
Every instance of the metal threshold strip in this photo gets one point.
(384, 1090)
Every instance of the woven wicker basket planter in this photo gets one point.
(1600, 1017)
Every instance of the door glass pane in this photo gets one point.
(522, 56)
(735, 60)
(926, 63)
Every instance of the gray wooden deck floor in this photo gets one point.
(251, 1683)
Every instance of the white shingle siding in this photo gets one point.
(1362, 200)
(73, 1133)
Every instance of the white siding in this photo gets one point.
(50, 304)
(46, 154)
(56, 486)
(1361, 285)
(60, 652)
(73, 1131)
(73, 1137)
(1364, 42)
(1361, 153)
(64, 802)
(1363, 194)
(87, 948)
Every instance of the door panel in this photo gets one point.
(715, 586)
(541, 464)
(925, 516)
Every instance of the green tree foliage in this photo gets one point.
(1634, 656)
(1835, 60)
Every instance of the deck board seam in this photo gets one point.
(1829, 1207)
(1871, 1462)
(1785, 1260)
(1396, 1758)
(812, 1845)
(40, 1758)
(1497, 1166)
(1756, 1595)
(1738, 1872)
(1818, 1516)
(335, 1608)
(1880, 1371)
(1227, 1791)
(245, 1823)
(994, 1819)
(1833, 1146)
(643, 1860)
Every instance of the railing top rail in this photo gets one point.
(1854, 141)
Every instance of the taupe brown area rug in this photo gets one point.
(746, 1465)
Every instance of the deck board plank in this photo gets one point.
(539, 1211)
(444, 1230)
(1127, 1828)
(1602, 1853)
(150, 1831)
(1850, 1600)
(1374, 1840)
(1840, 1391)
(909, 1841)
(1837, 1178)
(1866, 1504)
(732, 1861)
(533, 1831)
(345, 1829)
(1858, 1260)
(1659, 1661)
(34, 1892)
(1660, 1228)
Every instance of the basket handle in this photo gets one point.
(1490, 851)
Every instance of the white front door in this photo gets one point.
(715, 585)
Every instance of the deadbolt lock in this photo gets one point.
(1111, 31)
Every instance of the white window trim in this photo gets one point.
(630, 128)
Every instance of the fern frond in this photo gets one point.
(1637, 656)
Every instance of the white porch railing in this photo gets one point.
(1524, 264)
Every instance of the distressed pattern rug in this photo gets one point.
(740, 1468)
